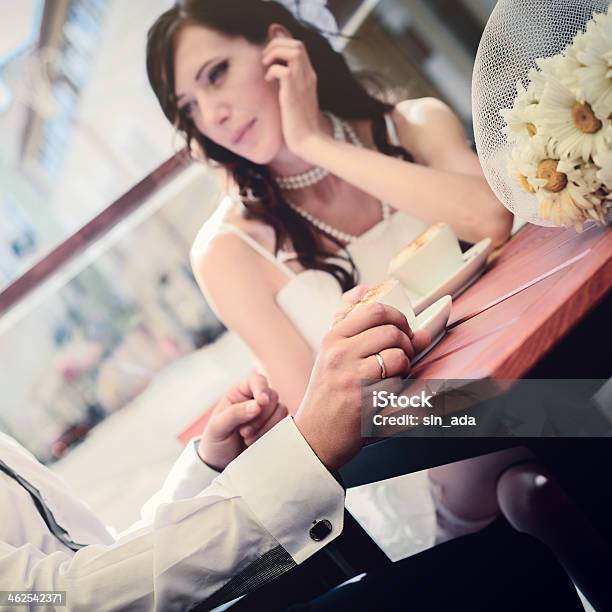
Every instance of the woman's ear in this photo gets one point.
(276, 30)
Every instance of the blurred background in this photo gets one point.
(108, 349)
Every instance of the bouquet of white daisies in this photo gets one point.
(560, 129)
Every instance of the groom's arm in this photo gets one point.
(188, 477)
(252, 524)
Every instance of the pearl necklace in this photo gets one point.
(314, 175)
(345, 128)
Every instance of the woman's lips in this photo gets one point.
(241, 133)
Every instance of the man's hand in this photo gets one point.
(349, 299)
(245, 414)
(329, 417)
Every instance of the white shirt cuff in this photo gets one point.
(189, 475)
(288, 490)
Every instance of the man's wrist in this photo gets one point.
(311, 440)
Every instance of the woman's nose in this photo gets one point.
(215, 112)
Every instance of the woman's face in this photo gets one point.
(219, 84)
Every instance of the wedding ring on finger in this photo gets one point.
(381, 363)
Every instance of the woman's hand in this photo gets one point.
(245, 414)
(287, 61)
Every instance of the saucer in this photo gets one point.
(474, 260)
(434, 319)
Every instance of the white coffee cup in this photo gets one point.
(428, 260)
(392, 293)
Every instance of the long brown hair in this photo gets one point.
(339, 92)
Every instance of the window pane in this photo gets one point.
(94, 336)
(79, 126)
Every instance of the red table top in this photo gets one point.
(506, 340)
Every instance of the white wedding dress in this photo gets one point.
(398, 513)
(310, 298)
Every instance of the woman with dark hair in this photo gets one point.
(328, 178)
(327, 181)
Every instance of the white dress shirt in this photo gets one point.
(202, 534)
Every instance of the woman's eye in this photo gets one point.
(187, 110)
(217, 72)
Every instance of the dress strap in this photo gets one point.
(231, 228)
(392, 131)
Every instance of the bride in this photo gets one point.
(325, 181)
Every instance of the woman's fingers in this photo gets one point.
(279, 40)
(283, 45)
(288, 53)
(283, 54)
(276, 71)
(280, 412)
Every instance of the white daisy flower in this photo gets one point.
(583, 175)
(578, 132)
(594, 74)
(561, 209)
(522, 117)
(520, 123)
(537, 82)
(554, 66)
(600, 19)
(569, 76)
(523, 164)
(604, 172)
(564, 190)
(580, 197)
(567, 191)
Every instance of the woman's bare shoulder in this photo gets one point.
(416, 111)
(216, 235)
(225, 262)
(423, 124)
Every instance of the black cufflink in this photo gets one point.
(320, 530)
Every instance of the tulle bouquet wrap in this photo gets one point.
(555, 135)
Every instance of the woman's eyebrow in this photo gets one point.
(197, 74)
